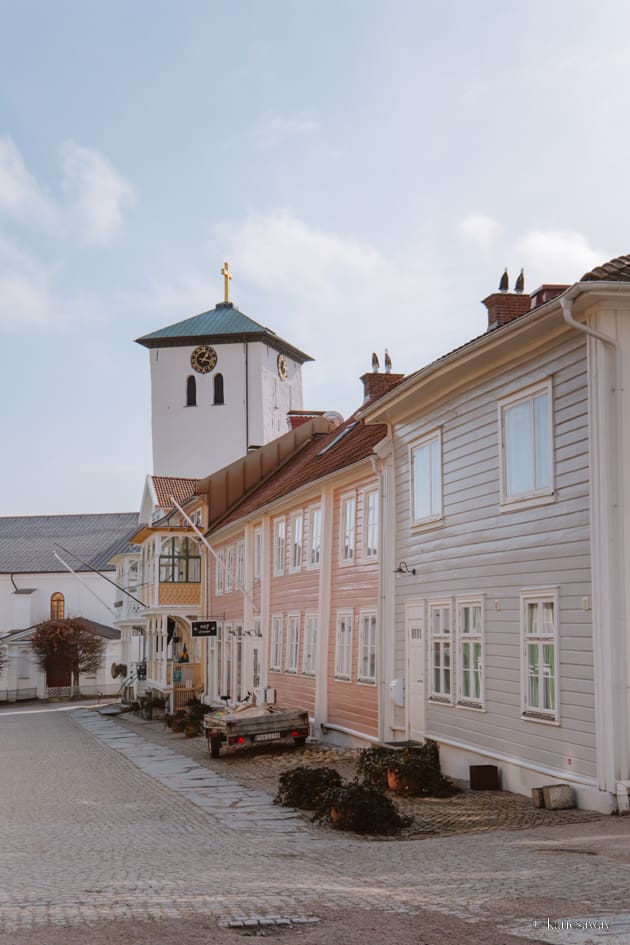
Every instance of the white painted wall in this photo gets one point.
(481, 549)
(196, 441)
(18, 611)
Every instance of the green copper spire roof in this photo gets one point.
(224, 323)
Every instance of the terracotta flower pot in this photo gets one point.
(401, 784)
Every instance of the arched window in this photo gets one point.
(218, 389)
(191, 392)
(180, 562)
(57, 606)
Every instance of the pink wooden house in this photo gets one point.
(294, 573)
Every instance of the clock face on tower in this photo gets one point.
(283, 367)
(203, 359)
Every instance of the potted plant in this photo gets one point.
(305, 786)
(415, 771)
(362, 808)
(373, 764)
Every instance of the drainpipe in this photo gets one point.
(377, 468)
(616, 762)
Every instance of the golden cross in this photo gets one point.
(227, 275)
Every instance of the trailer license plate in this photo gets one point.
(267, 737)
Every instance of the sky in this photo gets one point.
(368, 168)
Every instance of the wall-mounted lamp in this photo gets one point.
(403, 569)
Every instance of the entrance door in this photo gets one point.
(415, 625)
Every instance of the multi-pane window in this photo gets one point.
(347, 527)
(256, 665)
(540, 640)
(470, 626)
(426, 479)
(180, 561)
(370, 524)
(240, 564)
(293, 643)
(367, 648)
(440, 629)
(526, 436)
(315, 537)
(296, 541)
(227, 668)
(229, 569)
(220, 572)
(276, 643)
(218, 661)
(343, 646)
(279, 545)
(309, 661)
(57, 606)
(258, 550)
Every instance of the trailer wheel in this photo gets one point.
(215, 747)
(299, 741)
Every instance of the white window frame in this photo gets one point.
(367, 647)
(229, 567)
(430, 441)
(293, 643)
(256, 654)
(539, 597)
(296, 546)
(371, 525)
(279, 545)
(228, 660)
(309, 652)
(347, 527)
(533, 495)
(443, 637)
(219, 562)
(470, 639)
(314, 536)
(258, 553)
(343, 647)
(275, 655)
(240, 565)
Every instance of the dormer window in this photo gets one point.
(191, 392)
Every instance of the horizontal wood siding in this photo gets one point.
(480, 549)
(296, 592)
(354, 587)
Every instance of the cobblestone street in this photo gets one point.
(108, 837)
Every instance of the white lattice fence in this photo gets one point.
(58, 692)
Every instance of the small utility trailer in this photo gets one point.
(254, 723)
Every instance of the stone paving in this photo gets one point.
(261, 766)
(88, 834)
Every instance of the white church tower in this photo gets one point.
(221, 384)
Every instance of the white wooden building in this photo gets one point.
(505, 486)
(35, 586)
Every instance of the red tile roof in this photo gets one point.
(180, 489)
(616, 270)
(327, 453)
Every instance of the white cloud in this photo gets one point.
(273, 131)
(556, 256)
(19, 191)
(480, 230)
(339, 299)
(100, 194)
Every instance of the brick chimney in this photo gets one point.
(504, 307)
(547, 292)
(297, 417)
(376, 384)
